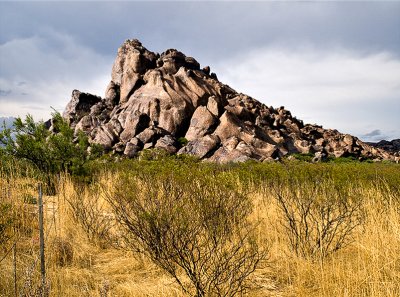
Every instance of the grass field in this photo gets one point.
(329, 229)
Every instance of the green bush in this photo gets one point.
(304, 157)
(50, 152)
(182, 141)
(348, 159)
(153, 154)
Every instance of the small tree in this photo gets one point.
(51, 151)
(197, 230)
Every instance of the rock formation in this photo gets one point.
(390, 146)
(154, 101)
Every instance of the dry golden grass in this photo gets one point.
(78, 266)
(90, 269)
(370, 266)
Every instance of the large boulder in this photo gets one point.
(201, 123)
(79, 106)
(167, 143)
(201, 147)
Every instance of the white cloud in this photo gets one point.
(42, 71)
(346, 90)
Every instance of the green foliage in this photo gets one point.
(255, 174)
(348, 159)
(50, 152)
(304, 157)
(182, 141)
(153, 154)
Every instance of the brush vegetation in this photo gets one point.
(174, 226)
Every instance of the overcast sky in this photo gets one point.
(336, 64)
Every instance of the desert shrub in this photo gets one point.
(303, 157)
(319, 216)
(50, 151)
(153, 154)
(62, 251)
(196, 229)
(90, 212)
(348, 159)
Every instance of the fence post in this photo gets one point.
(15, 243)
(15, 267)
(41, 235)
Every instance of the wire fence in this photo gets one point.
(20, 223)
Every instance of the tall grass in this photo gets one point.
(85, 255)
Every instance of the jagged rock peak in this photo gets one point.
(153, 100)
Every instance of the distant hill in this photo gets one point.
(7, 120)
(392, 146)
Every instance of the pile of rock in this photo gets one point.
(154, 100)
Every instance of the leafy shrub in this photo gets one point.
(304, 157)
(182, 141)
(51, 152)
(348, 159)
(153, 154)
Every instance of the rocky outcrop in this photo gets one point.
(154, 100)
(392, 146)
(80, 106)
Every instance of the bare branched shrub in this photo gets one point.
(196, 230)
(62, 251)
(319, 217)
(90, 211)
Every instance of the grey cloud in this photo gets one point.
(56, 47)
(49, 74)
(375, 136)
(36, 59)
(210, 29)
(5, 93)
(373, 133)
